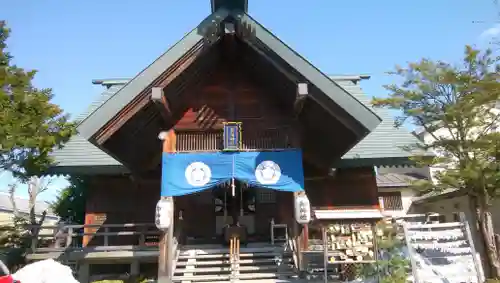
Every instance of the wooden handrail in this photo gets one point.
(121, 233)
(175, 255)
(293, 246)
(68, 232)
(178, 227)
(234, 257)
(77, 226)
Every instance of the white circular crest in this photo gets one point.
(268, 173)
(198, 174)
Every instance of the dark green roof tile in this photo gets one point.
(385, 141)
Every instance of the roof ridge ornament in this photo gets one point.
(241, 5)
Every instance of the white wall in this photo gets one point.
(406, 198)
(447, 207)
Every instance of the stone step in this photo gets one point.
(205, 278)
(225, 269)
(211, 278)
(219, 255)
(226, 251)
(247, 261)
(261, 281)
(185, 250)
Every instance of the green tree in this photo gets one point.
(70, 203)
(31, 126)
(454, 104)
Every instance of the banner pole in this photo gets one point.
(225, 203)
(166, 237)
(241, 200)
(233, 188)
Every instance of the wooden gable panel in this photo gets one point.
(231, 95)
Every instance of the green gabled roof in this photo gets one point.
(259, 38)
(381, 147)
(116, 102)
(384, 145)
(78, 152)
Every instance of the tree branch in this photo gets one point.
(12, 197)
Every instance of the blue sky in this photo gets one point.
(73, 42)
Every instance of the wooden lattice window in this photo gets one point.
(391, 200)
(266, 196)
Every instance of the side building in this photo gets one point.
(7, 210)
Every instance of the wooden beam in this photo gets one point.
(302, 94)
(143, 98)
(127, 112)
(159, 99)
(165, 259)
(315, 160)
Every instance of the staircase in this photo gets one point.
(258, 263)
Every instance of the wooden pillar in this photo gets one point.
(299, 236)
(135, 270)
(84, 272)
(305, 237)
(166, 238)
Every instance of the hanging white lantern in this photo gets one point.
(164, 212)
(302, 209)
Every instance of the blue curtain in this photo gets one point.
(188, 173)
(277, 170)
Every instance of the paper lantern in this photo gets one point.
(302, 209)
(164, 212)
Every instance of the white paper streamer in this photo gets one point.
(442, 253)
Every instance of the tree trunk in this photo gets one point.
(35, 187)
(488, 235)
(12, 197)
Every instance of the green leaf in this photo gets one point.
(31, 126)
(455, 107)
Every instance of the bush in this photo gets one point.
(14, 242)
(392, 266)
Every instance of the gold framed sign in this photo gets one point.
(232, 136)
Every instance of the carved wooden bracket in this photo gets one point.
(159, 99)
(302, 94)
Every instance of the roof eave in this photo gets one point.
(102, 115)
(367, 118)
(382, 161)
(392, 186)
(433, 198)
(88, 170)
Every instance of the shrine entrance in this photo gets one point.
(205, 214)
(218, 191)
(235, 207)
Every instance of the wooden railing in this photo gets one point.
(175, 255)
(178, 240)
(234, 257)
(252, 139)
(292, 245)
(108, 237)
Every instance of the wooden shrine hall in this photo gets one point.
(232, 126)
